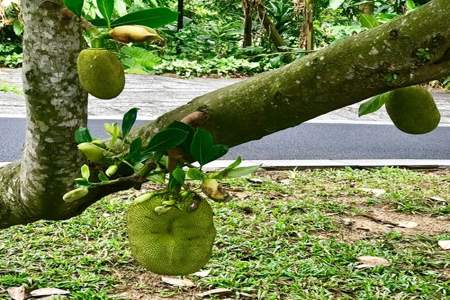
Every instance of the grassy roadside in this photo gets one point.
(288, 235)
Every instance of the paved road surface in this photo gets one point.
(155, 95)
(304, 142)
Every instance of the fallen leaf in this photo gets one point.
(445, 274)
(255, 180)
(241, 195)
(17, 293)
(214, 292)
(438, 199)
(48, 292)
(375, 192)
(444, 244)
(371, 262)
(348, 222)
(364, 227)
(285, 181)
(179, 282)
(202, 274)
(245, 295)
(407, 224)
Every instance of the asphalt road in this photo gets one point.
(308, 141)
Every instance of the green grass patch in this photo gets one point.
(10, 88)
(279, 239)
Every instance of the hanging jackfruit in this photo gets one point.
(101, 73)
(413, 110)
(171, 239)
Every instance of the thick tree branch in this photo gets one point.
(342, 74)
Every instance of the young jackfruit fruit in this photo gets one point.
(92, 152)
(101, 73)
(177, 241)
(412, 109)
(135, 34)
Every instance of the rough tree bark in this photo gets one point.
(306, 39)
(268, 25)
(180, 21)
(248, 20)
(346, 72)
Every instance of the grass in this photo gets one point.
(10, 88)
(283, 238)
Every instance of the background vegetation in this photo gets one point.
(211, 43)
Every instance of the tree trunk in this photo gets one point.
(268, 25)
(247, 8)
(307, 32)
(299, 7)
(344, 73)
(367, 7)
(180, 22)
(56, 107)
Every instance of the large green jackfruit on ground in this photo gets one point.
(175, 242)
(101, 73)
(413, 110)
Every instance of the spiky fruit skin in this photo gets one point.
(101, 73)
(413, 110)
(177, 242)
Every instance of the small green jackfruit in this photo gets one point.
(101, 73)
(92, 152)
(75, 194)
(134, 33)
(112, 170)
(412, 109)
(213, 189)
(176, 242)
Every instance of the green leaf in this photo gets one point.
(166, 139)
(243, 171)
(134, 154)
(216, 151)
(138, 60)
(224, 172)
(112, 129)
(410, 5)
(335, 4)
(176, 179)
(81, 182)
(203, 148)
(186, 145)
(201, 142)
(153, 17)
(106, 8)
(85, 173)
(76, 6)
(372, 105)
(368, 21)
(82, 135)
(18, 27)
(128, 121)
(195, 174)
(179, 175)
(102, 176)
(157, 177)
